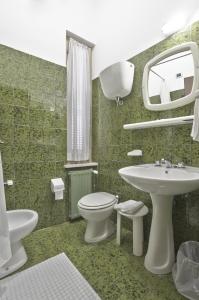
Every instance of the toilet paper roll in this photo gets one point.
(59, 195)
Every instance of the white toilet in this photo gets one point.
(96, 208)
(21, 223)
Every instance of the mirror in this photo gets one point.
(170, 80)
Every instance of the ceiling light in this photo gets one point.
(174, 25)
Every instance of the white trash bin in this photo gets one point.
(186, 270)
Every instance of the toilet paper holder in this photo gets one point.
(57, 187)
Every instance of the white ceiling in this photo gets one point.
(120, 29)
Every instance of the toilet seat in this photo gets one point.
(96, 209)
(97, 201)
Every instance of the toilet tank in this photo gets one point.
(117, 80)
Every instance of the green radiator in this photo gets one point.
(80, 184)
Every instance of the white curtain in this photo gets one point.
(164, 92)
(78, 101)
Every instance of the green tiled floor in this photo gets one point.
(111, 270)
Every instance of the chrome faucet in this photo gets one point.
(163, 162)
(157, 163)
(180, 165)
(166, 163)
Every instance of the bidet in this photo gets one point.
(21, 223)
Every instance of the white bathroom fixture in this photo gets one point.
(162, 183)
(57, 187)
(96, 208)
(160, 180)
(117, 80)
(21, 223)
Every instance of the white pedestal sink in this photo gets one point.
(162, 184)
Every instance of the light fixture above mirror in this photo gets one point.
(175, 24)
(171, 79)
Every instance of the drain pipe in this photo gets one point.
(119, 101)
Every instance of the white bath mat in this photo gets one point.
(54, 279)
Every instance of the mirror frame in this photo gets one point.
(193, 47)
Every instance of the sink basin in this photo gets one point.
(162, 184)
(160, 180)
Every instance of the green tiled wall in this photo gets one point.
(111, 142)
(33, 128)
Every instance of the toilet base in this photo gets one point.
(98, 231)
(18, 259)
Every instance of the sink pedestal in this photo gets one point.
(160, 255)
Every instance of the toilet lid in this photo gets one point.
(97, 200)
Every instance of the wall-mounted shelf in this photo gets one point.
(160, 123)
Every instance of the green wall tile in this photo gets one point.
(7, 133)
(32, 101)
(49, 169)
(22, 170)
(36, 170)
(21, 115)
(20, 97)
(6, 94)
(36, 117)
(6, 114)
(21, 134)
(36, 135)
(20, 152)
(111, 142)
